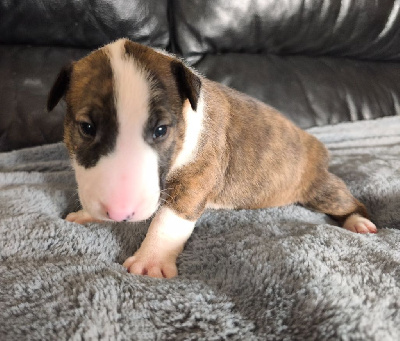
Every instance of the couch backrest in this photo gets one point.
(83, 23)
(317, 61)
(363, 29)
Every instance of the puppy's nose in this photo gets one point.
(119, 215)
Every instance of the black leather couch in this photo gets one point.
(318, 61)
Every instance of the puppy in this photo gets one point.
(146, 134)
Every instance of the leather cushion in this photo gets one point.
(83, 23)
(311, 91)
(363, 29)
(27, 74)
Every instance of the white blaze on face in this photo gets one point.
(124, 185)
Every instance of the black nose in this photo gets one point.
(126, 219)
(129, 217)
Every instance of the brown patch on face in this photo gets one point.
(167, 96)
(90, 99)
(161, 115)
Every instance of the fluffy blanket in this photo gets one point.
(271, 274)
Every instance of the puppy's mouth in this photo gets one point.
(132, 212)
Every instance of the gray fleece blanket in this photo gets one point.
(272, 274)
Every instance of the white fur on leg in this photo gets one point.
(358, 224)
(165, 239)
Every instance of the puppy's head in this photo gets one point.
(125, 125)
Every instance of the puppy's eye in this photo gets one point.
(87, 129)
(160, 132)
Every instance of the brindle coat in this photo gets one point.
(249, 156)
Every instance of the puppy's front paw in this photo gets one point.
(151, 265)
(81, 217)
(358, 224)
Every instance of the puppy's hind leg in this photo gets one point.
(329, 194)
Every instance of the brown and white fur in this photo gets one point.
(146, 134)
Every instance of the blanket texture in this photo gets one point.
(271, 274)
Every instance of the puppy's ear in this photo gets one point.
(189, 84)
(59, 87)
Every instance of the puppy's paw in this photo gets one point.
(81, 217)
(356, 223)
(153, 266)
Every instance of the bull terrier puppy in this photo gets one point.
(148, 135)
